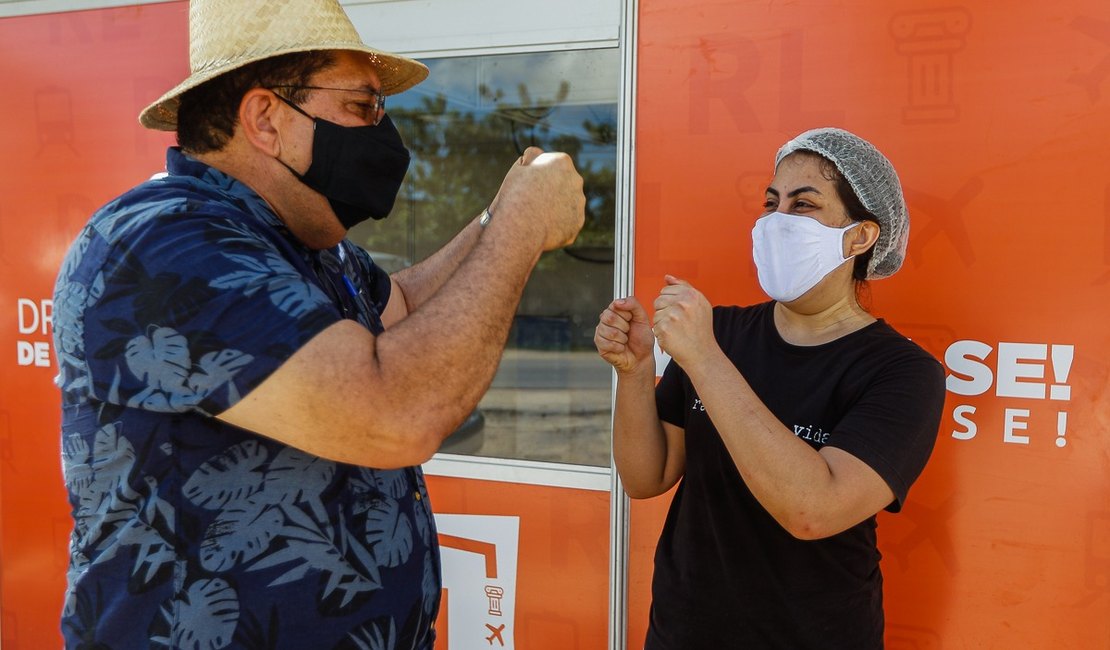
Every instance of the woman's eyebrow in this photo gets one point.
(800, 190)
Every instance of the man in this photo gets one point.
(246, 396)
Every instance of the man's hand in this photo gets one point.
(542, 193)
(623, 336)
(684, 322)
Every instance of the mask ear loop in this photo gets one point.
(300, 110)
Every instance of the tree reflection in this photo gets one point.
(459, 157)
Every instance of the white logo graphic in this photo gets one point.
(35, 319)
(479, 555)
(661, 360)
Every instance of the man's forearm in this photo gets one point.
(421, 281)
(452, 345)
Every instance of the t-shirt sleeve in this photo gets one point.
(192, 311)
(893, 426)
(670, 395)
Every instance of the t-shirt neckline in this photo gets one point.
(768, 318)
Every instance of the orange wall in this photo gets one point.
(73, 85)
(997, 116)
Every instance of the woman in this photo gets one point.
(790, 423)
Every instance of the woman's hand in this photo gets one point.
(623, 336)
(684, 323)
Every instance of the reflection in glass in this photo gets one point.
(465, 126)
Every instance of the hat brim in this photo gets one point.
(396, 73)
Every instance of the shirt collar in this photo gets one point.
(178, 163)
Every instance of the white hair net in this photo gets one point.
(875, 183)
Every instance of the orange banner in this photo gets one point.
(74, 83)
(996, 116)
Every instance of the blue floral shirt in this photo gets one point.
(177, 299)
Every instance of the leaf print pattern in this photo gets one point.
(240, 535)
(110, 516)
(344, 583)
(70, 300)
(76, 469)
(236, 233)
(379, 635)
(217, 369)
(430, 584)
(154, 555)
(298, 477)
(153, 558)
(233, 476)
(389, 532)
(104, 499)
(161, 360)
(177, 299)
(208, 613)
(78, 562)
(76, 253)
(70, 346)
(423, 520)
(288, 291)
(265, 504)
(393, 483)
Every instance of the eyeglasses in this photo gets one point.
(372, 111)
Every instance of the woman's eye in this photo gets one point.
(769, 205)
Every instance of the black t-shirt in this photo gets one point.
(727, 575)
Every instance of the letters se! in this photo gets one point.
(1036, 371)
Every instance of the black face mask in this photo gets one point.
(359, 169)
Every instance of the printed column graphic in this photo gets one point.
(1092, 80)
(54, 117)
(479, 558)
(929, 40)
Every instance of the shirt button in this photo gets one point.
(416, 495)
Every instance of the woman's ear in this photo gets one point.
(261, 120)
(862, 238)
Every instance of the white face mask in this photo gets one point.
(793, 253)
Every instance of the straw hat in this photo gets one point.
(228, 34)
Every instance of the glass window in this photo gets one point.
(465, 126)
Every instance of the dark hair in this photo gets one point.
(207, 115)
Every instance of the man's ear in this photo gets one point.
(260, 119)
(862, 237)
